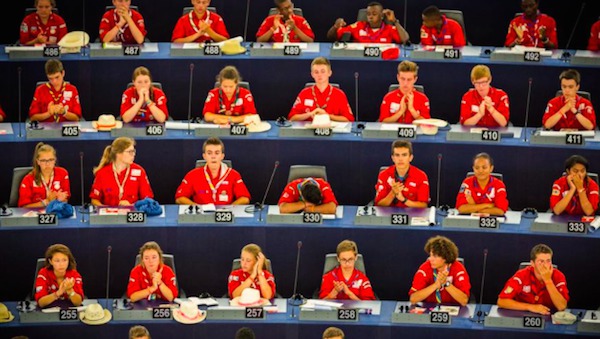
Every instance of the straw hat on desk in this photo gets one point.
(5, 315)
(232, 46)
(106, 122)
(430, 126)
(94, 314)
(255, 125)
(73, 41)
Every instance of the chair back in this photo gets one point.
(498, 176)
(457, 16)
(202, 162)
(305, 171)
(41, 262)
(310, 84)
(418, 88)
(188, 9)
(18, 174)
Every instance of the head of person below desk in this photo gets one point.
(253, 273)
(345, 281)
(312, 195)
(151, 279)
(481, 192)
(118, 180)
(575, 193)
(214, 183)
(58, 279)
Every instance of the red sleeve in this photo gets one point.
(588, 112)
(65, 183)
(423, 194)
(420, 280)
(186, 188)
(501, 200)
(249, 107)
(265, 26)
(37, 102)
(271, 281)
(139, 22)
(25, 191)
(551, 108)
(461, 280)
(512, 288)
(344, 107)
(179, 30)
(145, 189)
(382, 187)
(458, 36)
(239, 187)
(211, 104)
(422, 106)
(560, 281)
(327, 192)
(460, 197)
(306, 29)
(366, 290)
(2, 114)
(24, 35)
(126, 103)
(594, 41)
(78, 286)
(75, 104)
(511, 35)
(384, 109)
(551, 32)
(426, 38)
(169, 279)
(135, 281)
(105, 25)
(556, 194)
(289, 194)
(219, 27)
(465, 108)
(62, 28)
(41, 284)
(160, 99)
(298, 107)
(326, 285)
(502, 104)
(233, 281)
(592, 193)
(342, 30)
(97, 191)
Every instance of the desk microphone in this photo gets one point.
(527, 108)
(567, 54)
(297, 299)
(5, 211)
(246, 22)
(259, 206)
(19, 91)
(190, 99)
(108, 250)
(480, 313)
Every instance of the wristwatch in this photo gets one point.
(447, 283)
(404, 201)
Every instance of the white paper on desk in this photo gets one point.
(473, 217)
(184, 125)
(339, 212)
(441, 48)
(203, 301)
(394, 127)
(281, 45)
(319, 304)
(564, 133)
(8, 49)
(191, 45)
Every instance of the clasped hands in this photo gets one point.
(156, 282)
(66, 285)
(398, 188)
(58, 195)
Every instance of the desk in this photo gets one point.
(285, 326)
(204, 253)
(101, 81)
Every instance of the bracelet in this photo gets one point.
(71, 294)
(404, 201)
(581, 190)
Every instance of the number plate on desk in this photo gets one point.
(347, 314)
(51, 52)
(489, 135)
(323, 132)
(291, 50)
(70, 131)
(532, 56)
(372, 52)
(155, 130)
(255, 313)
(532, 322)
(132, 50)
(136, 217)
(223, 216)
(400, 219)
(238, 130)
(574, 139)
(407, 132)
(161, 313)
(436, 317)
(488, 222)
(47, 219)
(576, 227)
(68, 314)
(212, 50)
(312, 218)
(451, 53)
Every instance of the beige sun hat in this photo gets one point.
(94, 314)
(5, 315)
(232, 46)
(255, 125)
(73, 41)
(106, 122)
(250, 297)
(430, 126)
(188, 313)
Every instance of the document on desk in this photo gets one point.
(6, 128)
(339, 212)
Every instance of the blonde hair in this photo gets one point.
(254, 249)
(408, 66)
(321, 61)
(480, 71)
(345, 246)
(119, 145)
(229, 73)
(36, 170)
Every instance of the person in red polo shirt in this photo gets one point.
(401, 184)
(228, 103)
(143, 101)
(532, 28)
(285, 26)
(43, 26)
(481, 192)
(439, 30)
(308, 195)
(122, 24)
(56, 100)
(484, 105)
(375, 30)
(214, 182)
(151, 279)
(58, 279)
(575, 193)
(345, 282)
(569, 111)
(322, 97)
(594, 41)
(538, 288)
(253, 273)
(118, 180)
(200, 25)
(405, 104)
(441, 279)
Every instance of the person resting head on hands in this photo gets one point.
(575, 193)
(253, 273)
(143, 101)
(308, 195)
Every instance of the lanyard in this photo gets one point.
(56, 98)
(193, 24)
(223, 173)
(48, 185)
(40, 25)
(372, 34)
(326, 100)
(532, 28)
(222, 105)
(120, 184)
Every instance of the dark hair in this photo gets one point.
(374, 3)
(539, 248)
(570, 74)
(60, 248)
(244, 333)
(442, 247)
(53, 66)
(432, 12)
(213, 141)
(229, 73)
(311, 193)
(484, 155)
(574, 160)
(402, 144)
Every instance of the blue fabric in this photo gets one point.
(149, 206)
(61, 209)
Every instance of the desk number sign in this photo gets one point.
(52, 51)
(67, 314)
(132, 50)
(347, 314)
(154, 129)
(70, 131)
(255, 313)
(136, 217)
(161, 313)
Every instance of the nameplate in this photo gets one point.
(469, 222)
(407, 132)
(372, 52)
(136, 217)
(132, 50)
(326, 315)
(532, 56)
(63, 315)
(255, 313)
(533, 322)
(70, 131)
(236, 129)
(436, 317)
(574, 139)
(576, 227)
(312, 218)
(52, 51)
(217, 313)
(400, 219)
(292, 50)
(206, 218)
(161, 313)
(154, 313)
(47, 219)
(530, 322)
(138, 130)
(488, 222)
(451, 53)
(347, 314)
(155, 130)
(590, 322)
(323, 132)
(570, 227)
(67, 314)
(490, 135)
(118, 219)
(224, 216)
(212, 50)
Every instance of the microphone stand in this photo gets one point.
(262, 204)
(108, 249)
(439, 178)
(359, 125)
(190, 99)
(19, 69)
(527, 108)
(82, 188)
(296, 299)
(480, 313)
(247, 15)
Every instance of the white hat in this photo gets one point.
(320, 121)
(254, 124)
(94, 314)
(188, 313)
(106, 122)
(74, 39)
(430, 126)
(250, 297)
(5, 315)
(232, 46)
(563, 318)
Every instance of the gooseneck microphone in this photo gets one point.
(19, 70)
(527, 107)
(439, 179)
(189, 117)
(262, 203)
(480, 312)
(246, 21)
(297, 299)
(574, 27)
(108, 250)
(82, 187)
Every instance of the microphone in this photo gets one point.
(259, 206)
(297, 299)
(527, 108)
(439, 177)
(190, 99)
(19, 91)
(82, 187)
(567, 54)
(481, 313)
(246, 22)
(359, 126)
(405, 11)
(108, 250)
(5, 210)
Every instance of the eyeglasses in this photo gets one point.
(131, 151)
(47, 161)
(347, 261)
